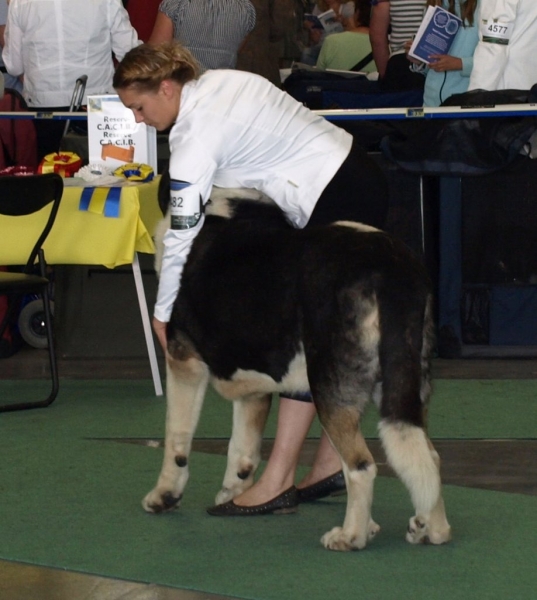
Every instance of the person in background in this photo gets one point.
(260, 52)
(344, 50)
(212, 30)
(343, 10)
(52, 53)
(449, 74)
(10, 81)
(231, 128)
(394, 22)
(142, 15)
(506, 54)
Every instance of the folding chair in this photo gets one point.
(20, 197)
(76, 99)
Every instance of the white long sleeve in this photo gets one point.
(54, 42)
(505, 55)
(177, 244)
(490, 57)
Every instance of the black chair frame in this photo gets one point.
(21, 196)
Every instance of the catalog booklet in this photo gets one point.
(114, 137)
(435, 34)
(326, 20)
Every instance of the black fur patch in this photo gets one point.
(244, 474)
(181, 461)
(255, 290)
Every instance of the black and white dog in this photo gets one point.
(342, 310)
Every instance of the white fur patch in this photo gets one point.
(218, 206)
(243, 383)
(410, 455)
(358, 226)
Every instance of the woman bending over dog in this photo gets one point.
(235, 129)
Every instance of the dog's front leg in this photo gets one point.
(186, 383)
(244, 451)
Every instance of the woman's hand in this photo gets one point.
(444, 62)
(159, 327)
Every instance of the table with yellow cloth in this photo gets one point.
(88, 237)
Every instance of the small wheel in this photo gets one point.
(32, 324)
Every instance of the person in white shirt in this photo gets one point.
(54, 42)
(235, 129)
(11, 82)
(505, 55)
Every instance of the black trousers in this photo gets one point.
(399, 77)
(358, 192)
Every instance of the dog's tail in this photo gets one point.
(405, 349)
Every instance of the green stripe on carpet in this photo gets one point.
(460, 409)
(75, 504)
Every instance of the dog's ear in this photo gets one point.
(164, 191)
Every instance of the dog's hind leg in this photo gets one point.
(405, 397)
(412, 456)
(186, 383)
(244, 451)
(343, 428)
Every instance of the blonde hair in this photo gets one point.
(146, 66)
(468, 8)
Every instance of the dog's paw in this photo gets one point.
(233, 489)
(374, 528)
(419, 532)
(338, 539)
(225, 495)
(158, 501)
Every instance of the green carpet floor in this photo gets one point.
(460, 409)
(75, 504)
(71, 502)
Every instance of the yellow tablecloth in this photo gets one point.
(83, 237)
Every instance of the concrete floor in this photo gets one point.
(503, 465)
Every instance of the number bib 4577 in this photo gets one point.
(495, 32)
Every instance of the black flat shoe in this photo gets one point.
(285, 503)
(329, 486)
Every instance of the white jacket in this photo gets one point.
(237, 130)
(54, 42)
(505, 57)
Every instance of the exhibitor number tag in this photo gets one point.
(185, 204)
(495, 32)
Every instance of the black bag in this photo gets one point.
(463, 146)
(320, 90)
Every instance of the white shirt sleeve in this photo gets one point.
(492, 51)
(13, 37)
(122, 34)
(177, 244)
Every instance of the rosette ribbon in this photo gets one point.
(65, 164)
(135, 172)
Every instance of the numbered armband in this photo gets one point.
(496, 32)
(186, 205)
